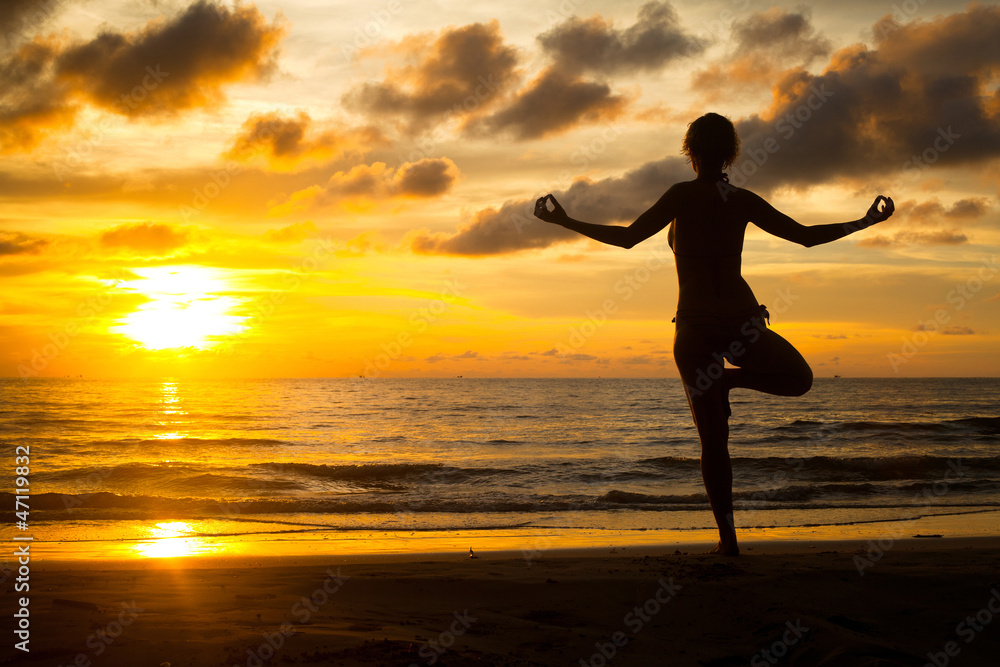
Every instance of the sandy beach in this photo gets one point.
(782, 602)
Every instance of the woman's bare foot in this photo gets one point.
(728, 550)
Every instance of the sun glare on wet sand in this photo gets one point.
(172, 539)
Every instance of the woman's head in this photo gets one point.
(711, 143)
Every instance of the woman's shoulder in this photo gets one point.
(739, 196)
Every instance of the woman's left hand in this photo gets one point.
(875, 215)
(542, 212)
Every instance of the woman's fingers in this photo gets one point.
(887, 207)
(878, 214)
(541, 210)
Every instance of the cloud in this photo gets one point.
(363, 244)
(468, 354)
(179, 64)
(21, 17)
(455, 74)
(510, 356)
(932, 212)
(640, 359)
(559, 98)
(18, 243)
(948, 331)
(785, 34)
(32, 104)
(968, 208)
(553, 102)
(153, 238)
(764, 44)
(594, 45)
(293, 233)
(468, 74)
(363, 183)
(512, 227)
(429, 177)
(918, 101)
(940, 237)
(935, 220)
(166, 67)
(284, 142)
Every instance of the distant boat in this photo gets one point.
(836, 376)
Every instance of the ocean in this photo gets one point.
(130, 465)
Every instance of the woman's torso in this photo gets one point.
(707, 239)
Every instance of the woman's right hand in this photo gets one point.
(556, 215)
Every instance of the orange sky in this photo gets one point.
(333, 189)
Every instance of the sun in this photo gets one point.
(186, 308)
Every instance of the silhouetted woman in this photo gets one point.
(718, 317)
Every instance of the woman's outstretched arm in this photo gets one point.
(658, 216)
(774, 222)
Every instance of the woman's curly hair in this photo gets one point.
(711, 140)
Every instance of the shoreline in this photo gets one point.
(397, 546)
(694, 548)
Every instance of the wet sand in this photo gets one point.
(787, 603)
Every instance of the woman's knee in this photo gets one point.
(803, 380)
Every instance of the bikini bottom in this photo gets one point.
(704, 341)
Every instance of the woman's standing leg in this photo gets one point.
(702, 375)
(716, 468)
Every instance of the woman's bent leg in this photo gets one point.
(770, 365)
